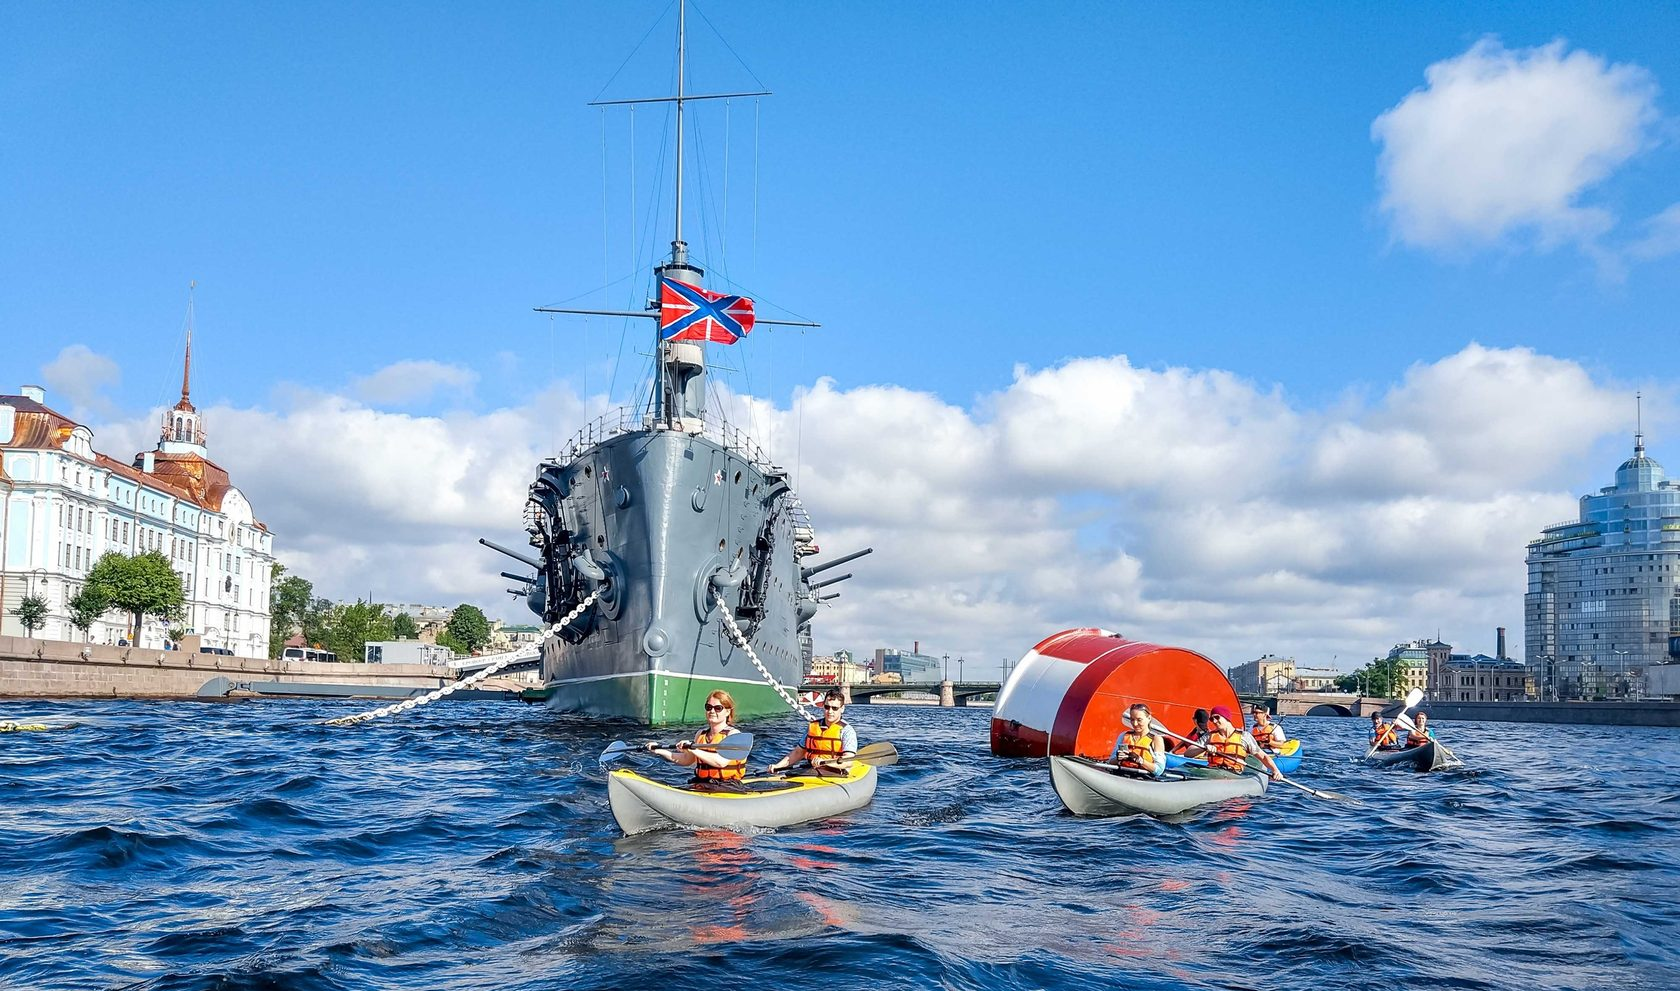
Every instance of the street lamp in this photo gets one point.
(959, 670)
(947, 659)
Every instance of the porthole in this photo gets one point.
(737, 476)
(588, 471)
(720, 546)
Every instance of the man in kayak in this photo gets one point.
(712, 770)
(1268, 734)
(1191, 746)
(1419, 734)
(1382, 734)
(829, 742)
(1140, 747)
(1228, 747)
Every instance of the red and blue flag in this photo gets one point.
(690, 313)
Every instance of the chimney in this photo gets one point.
(1502, 643)
(916, 649)
(35, 393)
(148, 462)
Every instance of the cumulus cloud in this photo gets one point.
(1183, 506)
(411, 382)
(81, 375)
(1499, 144)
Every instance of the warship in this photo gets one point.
(670, 554)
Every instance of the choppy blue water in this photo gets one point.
(233, 846)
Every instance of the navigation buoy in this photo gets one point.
(1067, 695)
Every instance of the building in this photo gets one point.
(1266, 675)
(838, 669)
(911, 666)
(405, 652)
(1480, 678)
(1314, 679)
(66, 505)
(1416, 659)
(1602, 606)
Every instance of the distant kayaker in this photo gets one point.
(829, 742)
(1228, 746)
(1382, 734)
(710, 767)
(1191, 746)
(1419, 734)
(1268, 734)
(1140, 746)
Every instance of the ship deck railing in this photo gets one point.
(629, 419)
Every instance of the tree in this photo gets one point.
(445, 640)
(143, 585)
(469, 627)
(32, 613)
(403, 627)
(86, 608)
(353, 626)
(289, 600)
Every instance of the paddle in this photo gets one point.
(1316, 793)
(1413, 697)
(735, 746)
(879, 754)
(1402, 721)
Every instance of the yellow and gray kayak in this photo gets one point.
(642, 804)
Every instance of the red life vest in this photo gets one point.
(735, 770)
(1227, 751)
(824, 741)
(1140, 750)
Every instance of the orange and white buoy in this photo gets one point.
(1068, 694)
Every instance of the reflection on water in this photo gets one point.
(177, 846)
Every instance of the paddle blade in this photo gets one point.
(877, 754)
(735, 746)
(1413, 697)
(1404, 722)
(614, 751)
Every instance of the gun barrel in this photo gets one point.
(510, 576)
(853, 556)
(831, 581)
(533, 562)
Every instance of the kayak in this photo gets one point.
(1288, 759)
(642, 804)
(1429, 756)
(1092, 788)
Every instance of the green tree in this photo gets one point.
(86, 608)
(403, 627)
(317, 622)
(31, 611)
(143, 585)
(469, 627)
(445, 640)
(289, 601)
(354, 625)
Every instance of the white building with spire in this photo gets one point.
(63, 505)
(1603, 602)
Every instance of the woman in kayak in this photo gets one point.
(710, 767)
(1140, 747)
(1419, 734)
(1229, 746)
(829, 742)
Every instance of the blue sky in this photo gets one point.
(955, 191)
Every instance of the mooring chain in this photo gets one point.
(453, 687)
(740, 640)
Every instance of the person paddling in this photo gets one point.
(1382, 734)
(1228, 746)
(829, 742)
(712, 770)
(1191, 744)
(1268, 734)
(1140, 747)
(1419, 734)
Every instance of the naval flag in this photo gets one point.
(690, 313)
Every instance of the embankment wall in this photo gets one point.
(62, 669)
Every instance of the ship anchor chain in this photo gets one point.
(740, 640)
(453, 687)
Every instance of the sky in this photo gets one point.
(1263, 328)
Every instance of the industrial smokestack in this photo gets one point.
(1502, 643)
(917, 649)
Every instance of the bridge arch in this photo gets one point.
(1329, 709)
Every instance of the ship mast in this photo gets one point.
(677, 384)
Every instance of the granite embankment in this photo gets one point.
(63, 669)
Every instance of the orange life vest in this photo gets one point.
(1227, 751)
(1140, 749)
(735, 770)
(1416, 738)
(823, 741)
(1263, 735)
(1382, 735)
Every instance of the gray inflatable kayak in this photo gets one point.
(1092, 788)
(1429, 756)
(643, 804)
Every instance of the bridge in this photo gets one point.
(1318, 703)
(949, 693)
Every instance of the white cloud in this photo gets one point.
(81, 375)
(1183, 506)
(1500, 143)
(1661, 236)
(411, 382)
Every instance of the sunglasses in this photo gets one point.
(834, 708)
(713, 707)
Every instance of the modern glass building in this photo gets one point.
(1602, 603)
(914, 668)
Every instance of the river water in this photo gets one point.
(184, 845)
